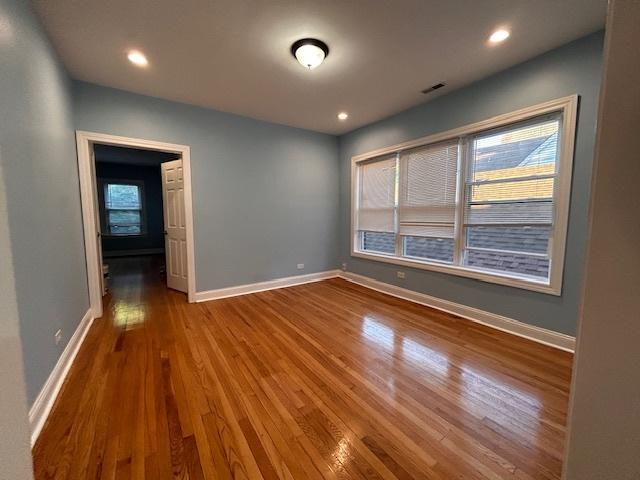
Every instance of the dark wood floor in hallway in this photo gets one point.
(323, 380)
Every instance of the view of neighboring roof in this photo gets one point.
(508, 155)
(545, 153)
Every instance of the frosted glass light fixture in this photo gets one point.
(310, 52)
(499, 36)
(137, 58)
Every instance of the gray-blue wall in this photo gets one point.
(265, 196)
(43, 200)
(573, 68)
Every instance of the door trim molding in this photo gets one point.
(84, 142)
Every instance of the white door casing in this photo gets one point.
(90, 212)
(103, 287)
(175, 232)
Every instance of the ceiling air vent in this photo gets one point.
(433, 87)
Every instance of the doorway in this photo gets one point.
(116, 206)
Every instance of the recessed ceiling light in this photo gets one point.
(343, 115)
(310, 52)
(137, 58)
(499, 36)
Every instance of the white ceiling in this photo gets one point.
(233, 55)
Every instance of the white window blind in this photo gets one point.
(427, 205)
(376, 195)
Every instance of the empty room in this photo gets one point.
(314, 240)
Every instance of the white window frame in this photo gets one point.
(567, 106)
(105, 211)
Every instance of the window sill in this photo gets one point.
(497, 278)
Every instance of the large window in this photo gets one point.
(123, 208)
(488, 201)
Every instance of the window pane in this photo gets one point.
(377, 196)
(380, 242)
(520, 151)
(520, 264)
(531, 239)
(124, 222)
(505, 209)
(125, 230)
(514, 213)
(124, 217)
(122, 197)
(428, 185)
(538, 189)
(440, 249)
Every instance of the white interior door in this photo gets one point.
(175, 232)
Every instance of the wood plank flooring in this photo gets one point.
(324, 380)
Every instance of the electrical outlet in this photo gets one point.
(400, 274)
(344, 267)
(58, 336)
(300, 266)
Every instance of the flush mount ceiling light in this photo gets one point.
(343, 116)
(137, 58)
(499, 36)
(310, 52)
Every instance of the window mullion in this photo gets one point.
(397, 206)
(458, 227)
(356, 238)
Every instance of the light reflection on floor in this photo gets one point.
(131, 279)
(425, 356)
(128, 315)
(378, 333)
(482, 385)
(341, 452)
(479, 385)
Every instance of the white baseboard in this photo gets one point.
(42, 406)
(493, 320)
(262, 286)
(509, 325)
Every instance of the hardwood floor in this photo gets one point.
(324, 380)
